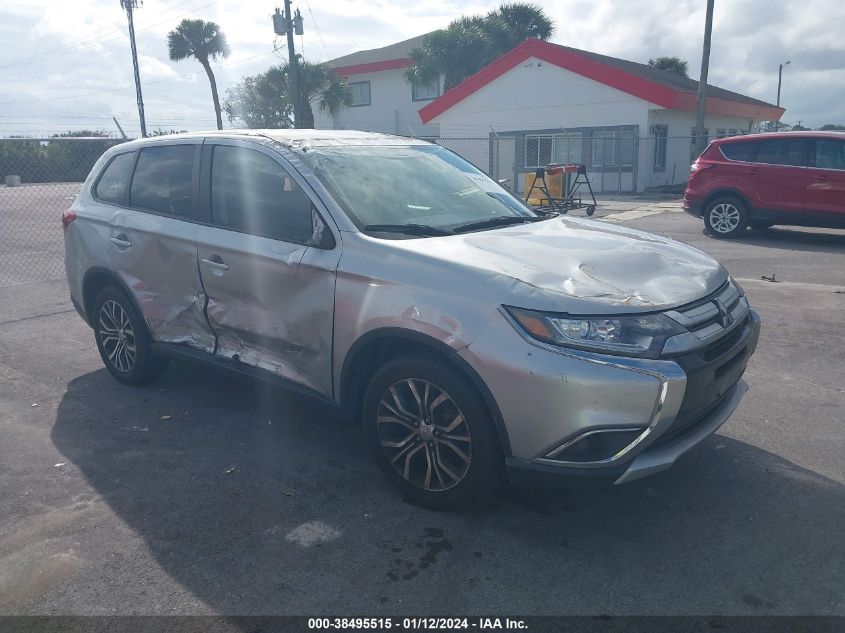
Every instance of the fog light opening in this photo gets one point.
(599, 445)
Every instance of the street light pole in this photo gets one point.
(131, 5)
(702, 82)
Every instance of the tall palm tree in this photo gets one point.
(204, 41)
(468, 44)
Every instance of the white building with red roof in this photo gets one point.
(541, 103)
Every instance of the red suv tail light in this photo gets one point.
(68, 216)
(697, 167)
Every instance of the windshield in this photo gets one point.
(425, 186)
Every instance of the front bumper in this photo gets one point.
(550, 396)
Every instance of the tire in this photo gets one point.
(450, 464)
(726, 217)
(760, 225)
(123, 340)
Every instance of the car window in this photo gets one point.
(162, 180)
(830, 154)
(742, 150)
(111, 186)
(781, 152)
(251, 192)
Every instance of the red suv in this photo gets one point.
(795, 178)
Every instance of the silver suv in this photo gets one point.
(388, 276)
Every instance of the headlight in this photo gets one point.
(634, 335)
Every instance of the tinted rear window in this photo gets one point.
(830, 154)
(782, 152)
(111, 186)
(743, 150)
(162, 180)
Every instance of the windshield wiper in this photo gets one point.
(493, 222)
(409, 229)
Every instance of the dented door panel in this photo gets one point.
(270, 303)
(156, 257)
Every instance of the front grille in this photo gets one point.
(713, 323)
(714, 368)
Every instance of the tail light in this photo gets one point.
(697, 167)
(68, 216)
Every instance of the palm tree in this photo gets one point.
(203, 41)
(266, 99)
(512, 24)
(320, 85)
(468, 44)
(674, 65)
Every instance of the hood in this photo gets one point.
(581, 266)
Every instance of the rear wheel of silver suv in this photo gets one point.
(123, 340)
(430, 433)
(726, 217)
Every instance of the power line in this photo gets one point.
(132, 86)
(114, 25)
(83, 47)
(317, 28)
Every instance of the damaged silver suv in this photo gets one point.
(467, 333)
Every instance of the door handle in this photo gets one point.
(121, 241)
(216, 262)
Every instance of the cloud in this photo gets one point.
(52, 55)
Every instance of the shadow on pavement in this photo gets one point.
(787, 238)
(259, 502)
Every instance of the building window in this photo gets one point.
(359, 93)
(613, 149)
(567, 148)
(538, 151)
(661, 135)
(425, 92)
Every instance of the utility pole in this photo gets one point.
(702, 82)
(131, 5)
(780, 78)
(288, 25)
(122, 133)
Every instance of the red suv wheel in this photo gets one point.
(726, 217)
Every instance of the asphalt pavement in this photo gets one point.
(204, 493)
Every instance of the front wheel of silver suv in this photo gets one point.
(430, 433)
(123, 340)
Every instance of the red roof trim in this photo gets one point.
(658, 94)
(373, 67)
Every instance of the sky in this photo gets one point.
(67, 66)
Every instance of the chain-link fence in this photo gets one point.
(39, 178)
(618, 160)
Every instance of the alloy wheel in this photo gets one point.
(117, 336)
(724, 217)
(424, 434)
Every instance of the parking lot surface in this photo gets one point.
(204, 493)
